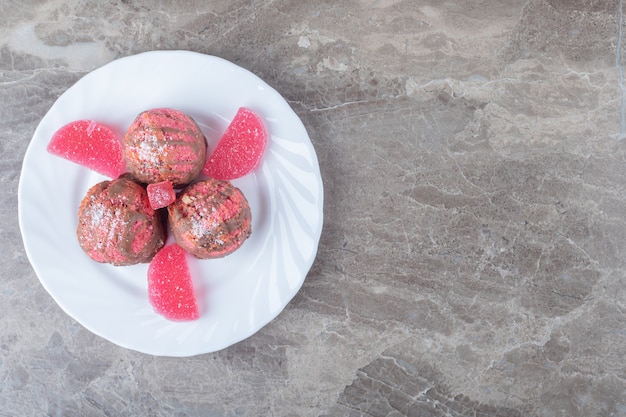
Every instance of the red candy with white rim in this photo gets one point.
(170, 288)
(90, 144)
(161, 194)
(240, 149)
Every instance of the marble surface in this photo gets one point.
(472, 258)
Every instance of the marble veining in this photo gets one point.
(471, 262)
(618, 65)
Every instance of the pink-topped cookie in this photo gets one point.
(210, 218)
(116, 224)
(164, 144)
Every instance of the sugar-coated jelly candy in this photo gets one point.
(90, 144)
(240, 148)
(161, 194)
(170, 287)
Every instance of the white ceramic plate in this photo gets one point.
(237, 294)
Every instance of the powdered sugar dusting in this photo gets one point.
(106, 223)
(149, 150)
(197, 227)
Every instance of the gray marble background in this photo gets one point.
(472, 258)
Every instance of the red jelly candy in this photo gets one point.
(90, 144)
(161, 194)
(240, 149)
(170, 288)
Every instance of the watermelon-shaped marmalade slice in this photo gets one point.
(240, 148)
(90, 144)
(170, 289)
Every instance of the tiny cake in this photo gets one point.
(164, 144)
(210, 218)
(116, 224)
